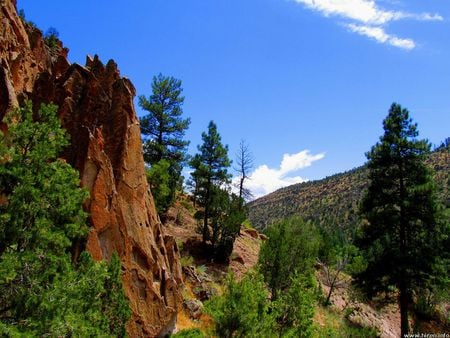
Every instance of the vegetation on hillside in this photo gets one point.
(47, 289)
(221, 213)
(403, 244)
(163, 130)
(404, 238)
(335, 200)
(280, 297)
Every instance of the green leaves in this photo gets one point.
(292, 247)
(242, 311)
(159, 178)
(162, 131)
(41, 217)
(294, 309)
(403, 238)
(210, 177)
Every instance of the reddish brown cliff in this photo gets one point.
(96, 107)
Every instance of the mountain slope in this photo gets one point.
(333, 200)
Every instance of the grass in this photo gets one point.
(247, 225)
(332, 324)
(187, 261)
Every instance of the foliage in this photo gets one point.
(209, 175)
(403, 238)
(333, 325)
(347, 331)
(51, 38)
(159, 179)
(40, 219)
(336, 256)
(163, 130)
(24, 19)
(294, 309)
(245, 310)
(187, 261)
(189, 333)
(333, 201)
(226, 218)
(242, 311)
(292, 246)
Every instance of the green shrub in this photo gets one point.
(51, 38)
(242, 310)
(292, 246)
(189, 333)
(293, 311)
(159, 180)
(42, 292)
(187, 261)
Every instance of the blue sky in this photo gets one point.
(306, 83)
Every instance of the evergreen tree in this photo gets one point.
(226, 217)
(159, 180)
(292, 246)
(403, 236)
(41, 216)
(210, 172)
(242, 309)
(163, 129)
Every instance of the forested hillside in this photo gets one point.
(333, 200)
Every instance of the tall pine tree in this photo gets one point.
(163, 130)
(403, 235)
(210, 172)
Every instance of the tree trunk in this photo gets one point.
(403, 290)
(332, 285)
(403, 300)
(205, 224)
(205, 216)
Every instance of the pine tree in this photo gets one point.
(41, 216)
(403, 236)
(163, 129)
(210, 170)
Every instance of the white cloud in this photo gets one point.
(365, 11)
(368, 18)
(379, 34)
(360, 10)
(263, 180)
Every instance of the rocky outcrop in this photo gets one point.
(96, 107)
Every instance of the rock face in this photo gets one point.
(96, 107)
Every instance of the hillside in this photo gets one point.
(332, 200)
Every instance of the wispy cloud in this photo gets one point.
(264, 180)
(379, 34)
(369, 19)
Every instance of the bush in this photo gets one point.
(42, 292)
(159, 180)
(189, 333)
(242, 310)
(292, 246)
(51, 38)
(187, 261)
(294, 309)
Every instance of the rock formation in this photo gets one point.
(96, 108)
